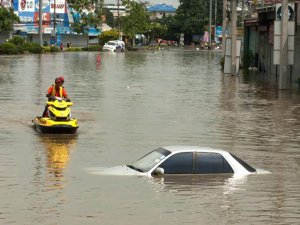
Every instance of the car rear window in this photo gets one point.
(244, 164)
(207, 162)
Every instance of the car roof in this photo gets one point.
(181, 148)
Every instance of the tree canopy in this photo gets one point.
(108, 35)
(191, 17)
(137, 22)
(7, 19)
(109, 18)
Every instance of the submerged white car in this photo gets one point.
(114, 46)
(184, 160)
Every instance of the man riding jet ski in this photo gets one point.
(56, 117)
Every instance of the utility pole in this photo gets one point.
(284, 46)
(224, 26)
(101, 11)
(119, 29)
(233, 37)
(41, 22)
(243, 11)
(54, 25)
(98, 9)
(210, 15)
(215, 35)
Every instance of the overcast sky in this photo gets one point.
(174, 3)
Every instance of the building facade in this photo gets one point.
(259, 38)
(53, 12)
(160, 11)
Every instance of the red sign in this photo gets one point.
(23, 4)
(45, 18)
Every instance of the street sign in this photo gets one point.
(219, 31)
(291, 7)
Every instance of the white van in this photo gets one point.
(114, 46)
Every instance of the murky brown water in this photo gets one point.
(128, 105)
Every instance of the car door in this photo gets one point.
(179, 163)
(210, 162)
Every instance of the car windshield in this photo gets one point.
(150, 160)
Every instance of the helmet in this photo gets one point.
(62, 79)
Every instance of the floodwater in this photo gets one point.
(127, 105)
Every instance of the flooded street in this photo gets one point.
(128, 105)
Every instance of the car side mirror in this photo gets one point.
(159, 171)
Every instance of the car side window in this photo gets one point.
(207, 162)
(180, 163)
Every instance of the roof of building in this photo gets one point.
(161, 8)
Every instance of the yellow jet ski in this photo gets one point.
(58, 118)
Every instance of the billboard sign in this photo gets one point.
(28, 12)
(59, 6)
(26, 5)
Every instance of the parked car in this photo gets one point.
(114, 46)
(184, 160)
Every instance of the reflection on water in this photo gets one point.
(228, 182)
(57, 151)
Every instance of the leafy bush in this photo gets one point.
(108, 36)
(46, 48)
(54, 49)
(8, 48)
(32, 47)
(17, 40)
(72, 49)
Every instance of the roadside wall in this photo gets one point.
(77, 40)
(264, 58)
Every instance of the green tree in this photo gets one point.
(172, 28)
(86, 20)
(191, 17)
(157, 29)
(81, 5)
(7, 19)
(137, 22)
(109, 18)
(108, 36)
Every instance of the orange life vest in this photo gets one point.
(53, 92)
